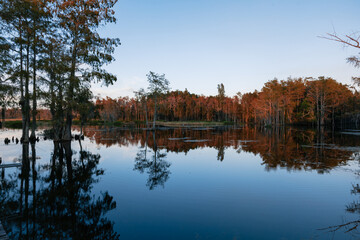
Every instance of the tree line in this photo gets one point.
(294, 101)
(50, 52)
(313, 101)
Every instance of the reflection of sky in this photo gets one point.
(209, 199)
(239, 43)
(10, 152)
(222, 200)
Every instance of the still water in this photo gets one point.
(200, 183)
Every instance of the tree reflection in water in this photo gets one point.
(285, 148)
(280, 148)
(58, 204)
(351, 227)
(156, 166)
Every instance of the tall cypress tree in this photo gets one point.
(87, 50)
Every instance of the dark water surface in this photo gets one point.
(197, 183)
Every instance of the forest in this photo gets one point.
(310, 101)
(51, 52)
(295, 101)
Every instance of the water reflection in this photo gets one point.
(291, 149)
(354, 207)
(300, 150)
(217, 187)
(54, 200)
(156, 166)
(349, 227)
(284, 148)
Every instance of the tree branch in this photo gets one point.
(347, 40)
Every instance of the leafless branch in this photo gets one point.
(347, 40)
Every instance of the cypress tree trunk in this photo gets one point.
(22, 95)
(27, 95)
(146, 114)
(3, 113)
(69, 116)
(154, 123)
(34, 111)
(68, 124)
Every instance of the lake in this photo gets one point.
(184, 183)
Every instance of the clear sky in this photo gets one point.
(242, 44)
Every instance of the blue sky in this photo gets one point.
(242, 44)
